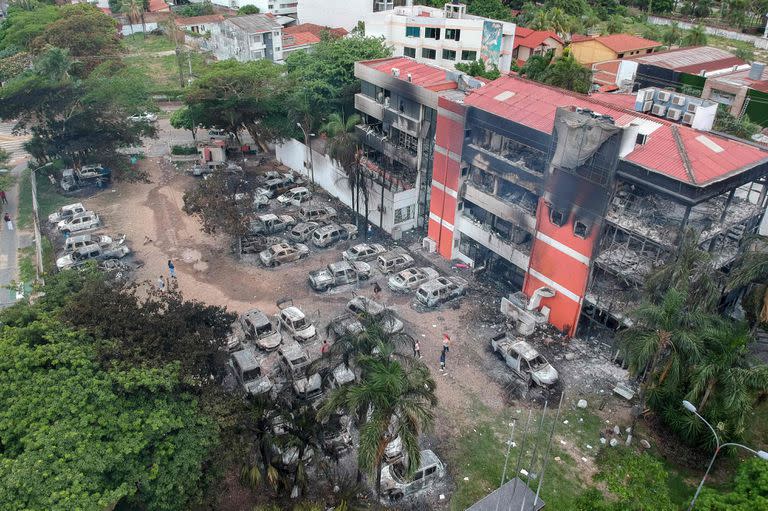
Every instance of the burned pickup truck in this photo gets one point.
(246, 368)
(524, 361)
(294, 360)
(338, 274)
(88, 175)
(270, 224)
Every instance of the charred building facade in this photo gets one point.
(585, 195)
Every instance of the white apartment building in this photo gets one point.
(445, 36)
(276, 7)
(245, 38)
(341, 13)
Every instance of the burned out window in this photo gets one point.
(580, 229)
(404, 214)
(556, 216)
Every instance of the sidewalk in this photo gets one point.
(9, 242)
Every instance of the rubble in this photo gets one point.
(582, 403)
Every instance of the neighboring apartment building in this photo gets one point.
(398, 104)
(590, 49)
(444, 37)
(277, 7)
(306, 35)
(244, 38)
(744, 92)
(342, 13)
(586, 195)
(535, 42)
(684, 67)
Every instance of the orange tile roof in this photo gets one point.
(312, 28)
(299, 39)
(158, 6)
(528, 38)
(620, 43)
(199, 20)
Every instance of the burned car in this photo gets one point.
(270, 224)
(338, 274)
(296, 323)
(302, 231)
(523, 359)
(341, 375)
(295, 196)
(361, 305)
(87, 240)
(79, 222)
(396, 483)
(86, 253)
(363, 252)
(294, 360)
(441, 290)
(394, 260)
(329, 234)
(246, 368)
(66, 212)
(411, 278)
(255, 326)
(283, 253)
(345, 324)
(317, 213)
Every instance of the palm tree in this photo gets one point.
(397, 398)
(259, 469)
(344, 147)
(696, 36)
(751, 270)
(135, 12)
(672, 35)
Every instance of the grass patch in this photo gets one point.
(49, 257)
(163, 71)
(27, 271)
(48, 199)
(152, 43)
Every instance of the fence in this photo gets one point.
(39, 269)
(757, 42)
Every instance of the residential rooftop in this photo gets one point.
(620, 43)
(430, 77)
(676, 151)
(528, 38)
(693, 60)
(255, 23)
(199, 20)
(741, 79)
(307, 34)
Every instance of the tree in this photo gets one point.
(751, 273)
(213, 202)
(344, 147)
(101, 437)
(536, 66)
(697, 36)
(672, 35)
(749, 490)
(478, 68)
(248, 9)
(21, 27)
(233, 95)
(615, 24)
(182, 119)
(134, 9)
(637, 480)
(554, 19)
(493, 9)
(190, 10)
(567, 73)
(5, 157)
(396, 398)
(740, 127)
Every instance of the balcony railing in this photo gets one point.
(369, 106)
(484, 235)
(501, 208)
(380, 142)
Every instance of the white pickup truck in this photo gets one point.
(524, 360)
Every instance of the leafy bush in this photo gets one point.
(183, 150)
(638, 481)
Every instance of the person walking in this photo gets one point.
(171, 269)
(376, 289)
(446, 342)
(416, 349)
(8, 222)
(3, 198)
(442, 359)
(160, 283)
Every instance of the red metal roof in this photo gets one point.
(314, 29)
(424, 75)
(620, 43)
(674, 150)
(299, 39)
(691, 60)
(528, 38)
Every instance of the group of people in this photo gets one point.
(6, 216)
(171, 271)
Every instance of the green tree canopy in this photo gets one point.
(638, 481)
(22, 27)
(749, 491)
(78, 437)
(478, 68)
(567, 73)
(494, 9)
(248, 9)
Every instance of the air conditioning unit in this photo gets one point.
(688, 118)
(647, 105)
(692, 107)
(663, 96)
(647, 95)
(678, 100)
(674, 114)
(386, 101)
(659, 110)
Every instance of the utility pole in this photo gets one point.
(174, 34)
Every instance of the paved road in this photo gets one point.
(12, 143)
(9, 243)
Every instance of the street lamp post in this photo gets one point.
(309, 147)
(760, 454)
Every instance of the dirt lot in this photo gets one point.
(208, 271)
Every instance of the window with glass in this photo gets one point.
(468, 55)
(412, 32)
(432, 33)
(449, 55)
(428, 53)
(453, 34)
(409, 52)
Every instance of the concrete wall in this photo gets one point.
(334, 13)
(758, 42)
(137, 28)
(333, 180)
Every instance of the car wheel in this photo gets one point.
(396, 496)
(66, 232)
(275, 264)
(364, 277)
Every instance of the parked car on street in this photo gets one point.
(394, 260)
(146, 117)
(293, 319)
(66, 212)
(441, 290)
(283, 253)
(396, 483)
(329, 234)
(246, 368)
(360, 305)
(270, 224)
(363, 252)
(338, 274)
(411, 278)
(80, 255)
(523, 359)
(256, 327)
(80, 222)
(302, 231)
(294, 360)
(295, 196)
(317, 213)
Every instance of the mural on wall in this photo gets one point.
(490, 49)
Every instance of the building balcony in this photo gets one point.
(381, 143)
(517, 254)
(401, 121)
(509, 211)
(369, 106)
(517, 172)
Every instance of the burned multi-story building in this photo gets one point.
(398, 106)
(587, 195)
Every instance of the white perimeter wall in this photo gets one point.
(334, 13)
(332, 179)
